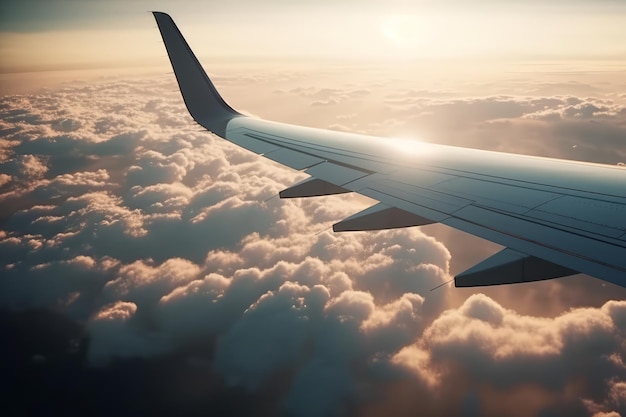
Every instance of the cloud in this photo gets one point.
(588, 129)
(164, 246)
(328, 96)
(506, 351)
(112, 332)
(142, 283)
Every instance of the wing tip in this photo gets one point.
(201, 97)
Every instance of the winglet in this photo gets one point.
(203, 101)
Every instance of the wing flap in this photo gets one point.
(293, 159)
(543, 235)
(600, 217)
(335, 174)
(514, 199)
(417, 209)
(443, 202)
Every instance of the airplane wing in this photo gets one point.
(554, 217)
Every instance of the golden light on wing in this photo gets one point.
(406, 146)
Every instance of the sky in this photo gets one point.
(79, 34)
(148, 267)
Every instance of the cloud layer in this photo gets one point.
(154, 245)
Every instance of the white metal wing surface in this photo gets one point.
(554, 217)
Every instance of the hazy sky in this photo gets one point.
(73, 33)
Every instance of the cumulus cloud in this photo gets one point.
(327, 96)
(164, 244)
(505, 351)
(587, 129)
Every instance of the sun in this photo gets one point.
(397, 29)
(430, 35)
(420, 35)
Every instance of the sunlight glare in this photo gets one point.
(397, 29)
(407, 30)
(406, 145)
(429, 35)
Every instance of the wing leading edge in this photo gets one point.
(554, 217)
